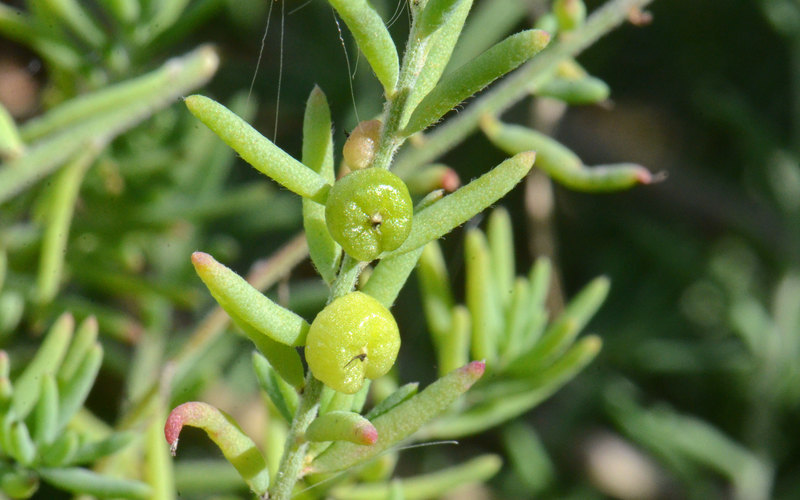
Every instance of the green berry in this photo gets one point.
(353, 338)
(369, 212)
(360, 147)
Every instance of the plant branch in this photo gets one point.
(296, 446)
(518, 85)
(262, 275)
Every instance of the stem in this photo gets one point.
(518, 85)
(346, 279)
(395, 112)
(294, 453)
(296, 448)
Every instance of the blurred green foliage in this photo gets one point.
(697, 381)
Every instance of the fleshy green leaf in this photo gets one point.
(402, 420)
(246, 304)
(453, 349)
(96, 118)
(570, 14)
(342, 426)
(431, 485)
(390, 275)
(401, 394)
(85, 481)
(585, 90)
(318, 156)
(283, 396)
(561, 333)
(85, 338)
(561, 164)
(432, 177)
(48, 358)
(166, 84)
(283, 358)
(11, 145)
(519, 397)
(61, 451)
(237, 447)
(58, 219)
(20, 444)
(91, 452)
(372, 38)
(528, 456)
(441, 46)
(499, 233)
(539, 283)
(73, 392)
(488, 23)
(437, 297)
(332, 400)
(516, 320)
(257, 150)
(474, 76)
(3, 267)
(80, 21)
(18, 482)
(46, 412)
(443, 216)
(481, 297)
(435, 14)
(677, 439)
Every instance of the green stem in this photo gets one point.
(296, 446)
(518, 85)
(395, 113)
(346, 279)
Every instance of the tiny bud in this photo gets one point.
(570, 13)
(361, 145)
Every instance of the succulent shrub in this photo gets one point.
(330, 379)
(367, 215)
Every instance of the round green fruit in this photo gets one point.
(353, 338)
(369, 212)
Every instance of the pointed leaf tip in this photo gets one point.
(201, 259)
(367, 434)
(220, 427)
(450, 180)
(176, 419)
(527, 157)
(475, 369)
(402, 420)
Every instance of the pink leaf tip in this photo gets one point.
(201, 259)
(367, 434)
(175, 421)
(475, 368)
(450, 180)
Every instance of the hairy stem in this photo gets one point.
(294, 453)
(395, 112)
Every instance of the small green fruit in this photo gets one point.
(353, 338)
(369, 212)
